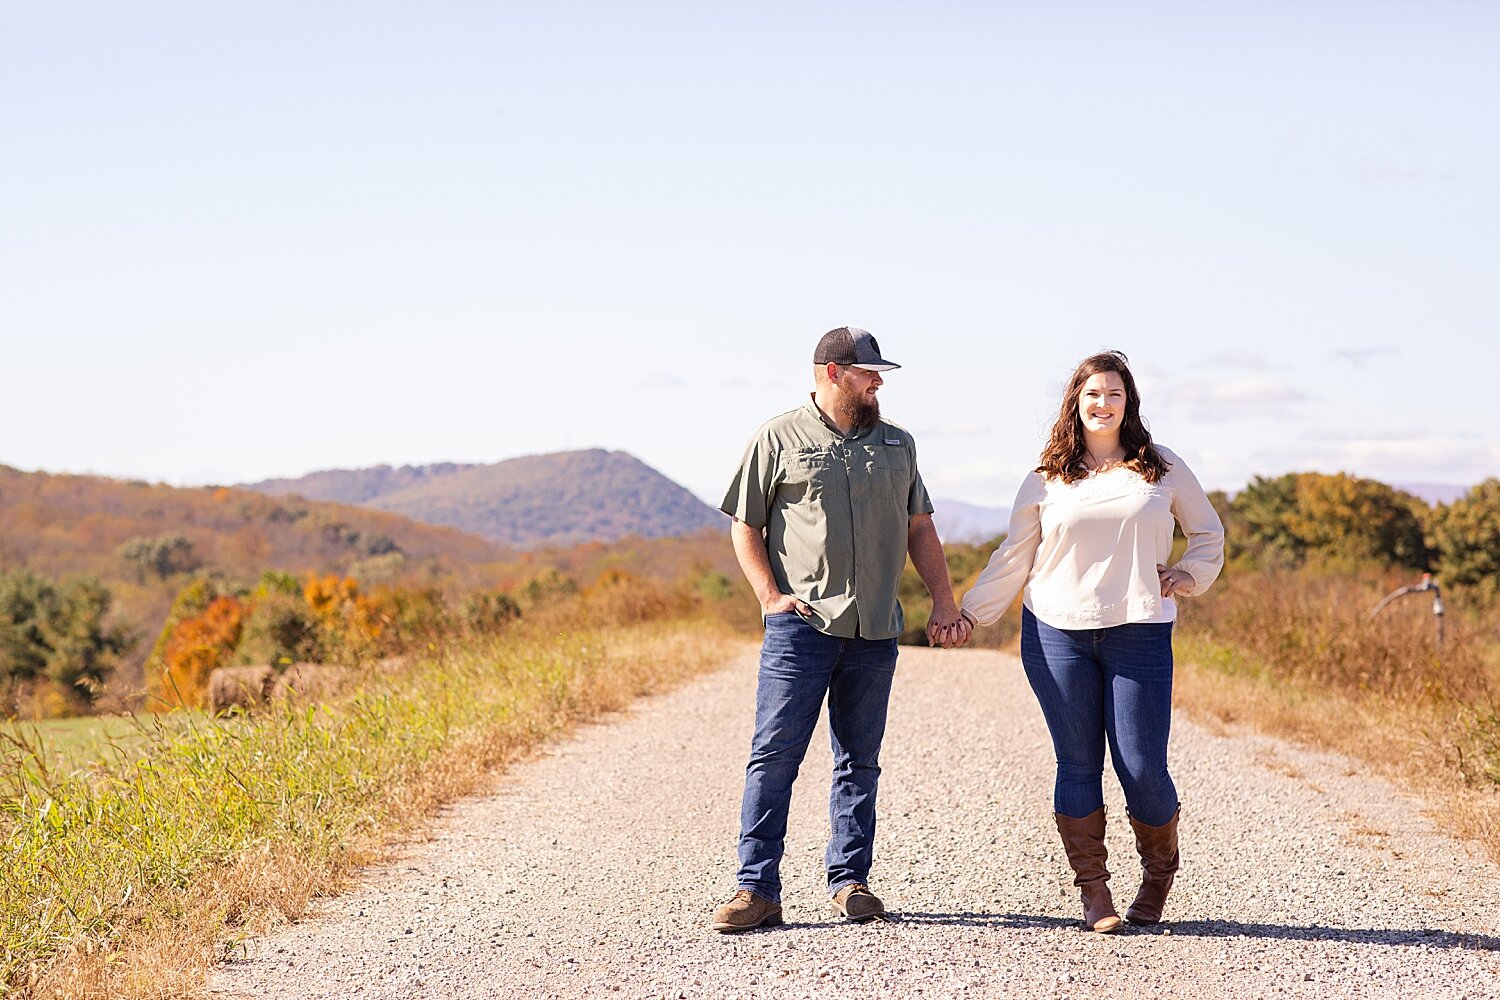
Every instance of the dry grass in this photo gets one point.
(271, 813)
(1297, 656)
(1415, 748)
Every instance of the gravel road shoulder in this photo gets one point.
(592, 871)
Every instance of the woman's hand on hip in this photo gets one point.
(1175, 581)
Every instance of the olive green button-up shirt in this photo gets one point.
(835, 510)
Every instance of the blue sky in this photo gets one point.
(257, 240)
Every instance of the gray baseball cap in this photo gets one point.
(849, 345)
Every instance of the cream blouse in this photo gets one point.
(1086, 553)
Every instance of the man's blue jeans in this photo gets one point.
(798, 665)
(1107, 683)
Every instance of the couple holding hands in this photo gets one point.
(827, 506)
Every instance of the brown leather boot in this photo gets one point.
(746, 911)
(1083, 840)
(1157, 846)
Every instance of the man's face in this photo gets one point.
(856, 395)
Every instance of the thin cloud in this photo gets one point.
(1242, 361)
(987, 483)
(1220, 400)
(954, 429)
(1371, 169)
(1385, 437)
(1397, 458)
(1361, 356)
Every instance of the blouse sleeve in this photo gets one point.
(1010, 566)
(1204, 556)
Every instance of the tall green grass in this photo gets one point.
(98, 859)
(88, 740)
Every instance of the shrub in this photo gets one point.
(161, 557)
(278, 629)
(55, 649)
(485, 612)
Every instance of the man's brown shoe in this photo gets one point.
(857, 902)
(745, 912)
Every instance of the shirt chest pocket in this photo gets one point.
(810, 476)
(890, 473)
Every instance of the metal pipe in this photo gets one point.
(1428, 583)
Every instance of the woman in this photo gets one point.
(1090, 537)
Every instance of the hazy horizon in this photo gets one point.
(1432, 493)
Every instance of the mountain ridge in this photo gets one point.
(558, 498)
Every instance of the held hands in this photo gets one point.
(948, 628)
(1175, 581)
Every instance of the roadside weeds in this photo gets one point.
(133, 881)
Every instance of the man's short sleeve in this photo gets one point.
(749, 495)
(917, 500)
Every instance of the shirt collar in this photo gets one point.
(811, 407)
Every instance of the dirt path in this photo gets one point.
(592, 871)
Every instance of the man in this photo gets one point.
(827, 505)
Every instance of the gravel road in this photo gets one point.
(592, 870)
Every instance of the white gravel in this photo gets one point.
(592, 871)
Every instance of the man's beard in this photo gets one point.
(861, 411)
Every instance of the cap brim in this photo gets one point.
(884, 366)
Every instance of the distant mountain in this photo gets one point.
(966, 522)
(1435, 493)
(357, 486)
(64, 524)
(560, 499)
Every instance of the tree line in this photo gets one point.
(59, 643)
(1343, 521)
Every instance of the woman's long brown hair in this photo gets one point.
(1064, 455)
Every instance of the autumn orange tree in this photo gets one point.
(197, 645)
(352, 625)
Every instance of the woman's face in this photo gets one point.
(1101, 403)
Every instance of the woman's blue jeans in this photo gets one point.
(798, 666)
(1103, 684)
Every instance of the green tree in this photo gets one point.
(547, 586)
(57, 632)
(1259, 514)
(161, 556)
(280, 628)
(1344, 516)
(1289, 519)
(82, 650)
(25, 600)
(1465, 536)
(487, 611)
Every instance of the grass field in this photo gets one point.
(136, 854)
(69, 744)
